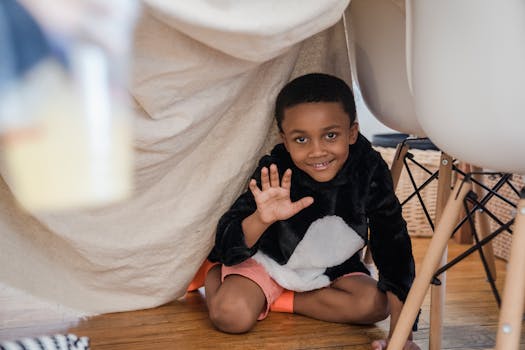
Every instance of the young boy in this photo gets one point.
(293, 241)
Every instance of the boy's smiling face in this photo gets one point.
(317, 136)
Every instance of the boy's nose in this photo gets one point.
(316, 149)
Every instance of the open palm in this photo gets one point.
(273, 198)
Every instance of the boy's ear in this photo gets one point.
(354, 133)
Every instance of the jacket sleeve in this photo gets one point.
(389, 240)
(230, 246)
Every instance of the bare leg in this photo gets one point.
(353, 299)
(235, 304)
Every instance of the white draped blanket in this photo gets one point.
(206, 73)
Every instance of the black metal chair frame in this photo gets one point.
(476, 204)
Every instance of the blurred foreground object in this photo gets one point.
(46, 342)
(65, 124)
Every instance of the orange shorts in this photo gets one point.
(274, 293)
(277, 298)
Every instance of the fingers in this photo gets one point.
(274, 176)
(265, 180)
(301, 204)
(286, 182)
(269, 178)
(253, 187)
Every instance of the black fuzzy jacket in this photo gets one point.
(359, 198)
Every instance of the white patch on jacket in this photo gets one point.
(328, 242)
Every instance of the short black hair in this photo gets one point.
(314, 87)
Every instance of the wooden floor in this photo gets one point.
(470, 322)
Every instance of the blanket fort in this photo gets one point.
(204, 81)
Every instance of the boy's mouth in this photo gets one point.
(321, 165)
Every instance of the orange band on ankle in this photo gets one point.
(284, 303)
(200, 276)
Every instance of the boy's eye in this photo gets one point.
(331, 136)
(300, 139)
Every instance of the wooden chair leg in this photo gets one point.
(437, 293)
(398, 162)
(511, 313)
(429, 266)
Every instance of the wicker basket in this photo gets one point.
(504, 212)
(414, 215)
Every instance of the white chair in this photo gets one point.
(467, 77)
(378, 57)
(377, 51)
(377, 30)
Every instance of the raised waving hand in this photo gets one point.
(273, 198)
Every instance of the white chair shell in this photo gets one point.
(468, 79)
(377, 50)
